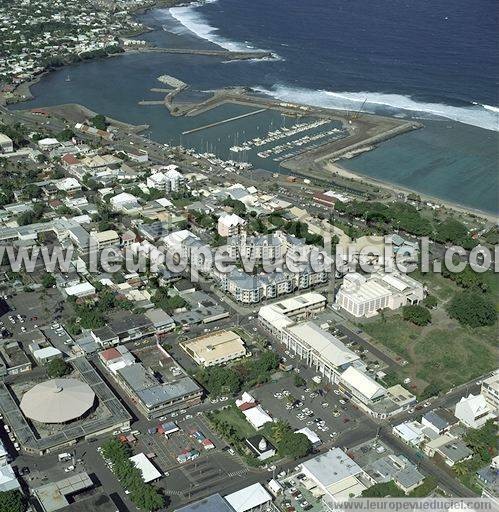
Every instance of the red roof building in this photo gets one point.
(69, 160)
(247, 405)
(110, 354)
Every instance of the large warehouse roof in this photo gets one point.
(57, 401)
(331, 349)
(248, 498)
(361, 382)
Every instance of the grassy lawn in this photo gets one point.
(445, 354)
(453, 357)
(394, 333)
(439, 286)
(180, 203)
(230, 416)
(492, 281)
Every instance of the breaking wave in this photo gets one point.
(195, 22)
(482, 116)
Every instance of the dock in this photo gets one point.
(151, 102)
(224, 54)
(229, 120)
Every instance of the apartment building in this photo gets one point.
(230, 225)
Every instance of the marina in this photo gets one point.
(224, 121)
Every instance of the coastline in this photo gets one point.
(333, 168)
(336, 169)
(23, 91)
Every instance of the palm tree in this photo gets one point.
(279, 429)
(460, 469)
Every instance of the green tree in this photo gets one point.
(12, 501)
(58, 368)
(48, 280)
(483, 441)
(32, 191)
(430, 390)
(382, 490)
(280, 429)
(455, 232)
(99, 122)
(473, 309)
(65, 135)
(294, 445)
(219, 380)
(430, 301)
(416, 314)
(267, 362)
(299, 381)
(143, 495)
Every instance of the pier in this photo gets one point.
(151, 102)
(229, 120)
(224, 54)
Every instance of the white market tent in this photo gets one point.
(146, 467)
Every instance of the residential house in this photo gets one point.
(473, 411)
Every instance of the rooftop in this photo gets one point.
(52, 496)
(214, 346)
(151, 391)
(57, 401)
(330, 348)
(332, 467)
(362, 383)
(248, 498)
(213, 503)
(146, 467)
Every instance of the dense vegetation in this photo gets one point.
(58, 368)
(383, 490)
(418, 315)
(167, 302)
(233, 426)
(289, 444)
(99, 122)
(406, 217)
(473, 309)
(143, 495)
(12, 501)
(219, 380)
(483, 443)
(91, 315)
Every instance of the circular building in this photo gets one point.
(57, 401)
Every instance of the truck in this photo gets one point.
(63, 457)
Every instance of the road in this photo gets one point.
(348, 438)
(353, 336)
(446, 481)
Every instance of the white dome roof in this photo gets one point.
(57, 401)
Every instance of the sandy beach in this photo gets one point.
(335, 168)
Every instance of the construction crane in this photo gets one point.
(356, 115)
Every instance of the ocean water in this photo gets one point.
(434, 61)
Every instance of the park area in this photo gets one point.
(444, 353)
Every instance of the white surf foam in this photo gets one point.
(482, 116)
(195, 22)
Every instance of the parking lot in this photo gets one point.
(196, 477)
(168, 448)
(297, 496)
(309, 408)
(32, 311)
